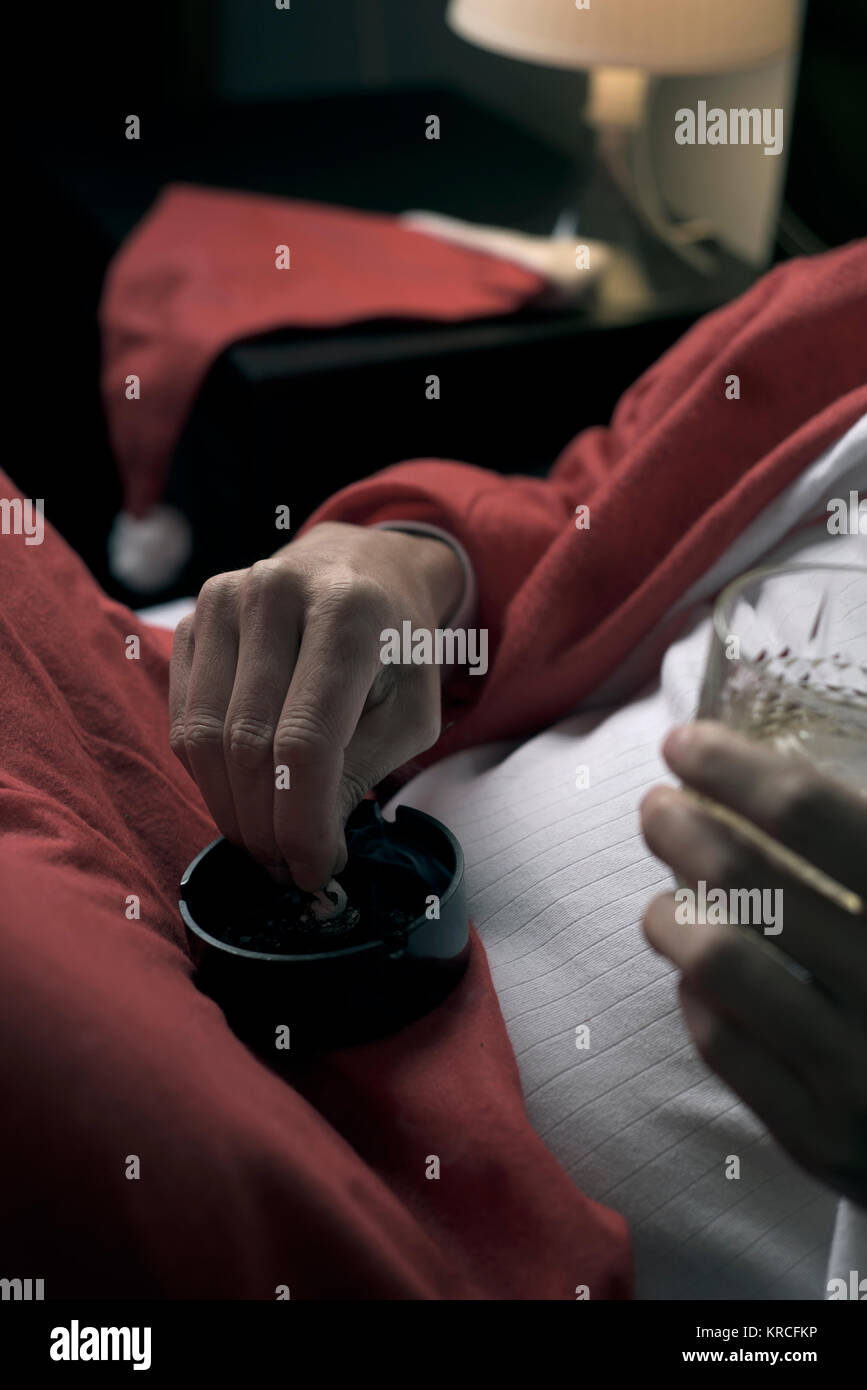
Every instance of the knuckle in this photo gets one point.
(216, 600)
(203, 733)
(248, 743)
(355, 600)
(213, 592)
(183, 632)
(301, 741)
(263, 583)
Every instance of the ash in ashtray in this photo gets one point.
(293, 922)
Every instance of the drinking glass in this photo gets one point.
(787, 667)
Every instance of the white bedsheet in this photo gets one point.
(557, 880)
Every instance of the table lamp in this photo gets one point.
(624, 45)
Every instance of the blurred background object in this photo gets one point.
(626, 46)
(328, 101)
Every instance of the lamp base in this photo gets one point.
(626, 155)
(618, 106)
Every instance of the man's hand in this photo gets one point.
(280, 666)
(794, 1049)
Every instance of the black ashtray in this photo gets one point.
(285, 985)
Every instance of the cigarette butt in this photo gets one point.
(329, 902)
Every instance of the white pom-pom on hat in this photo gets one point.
(148, 553)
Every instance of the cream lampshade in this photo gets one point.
(626, 45)
(659, 36)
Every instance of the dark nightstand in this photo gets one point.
(293, 416)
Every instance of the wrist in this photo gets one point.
(437, 566)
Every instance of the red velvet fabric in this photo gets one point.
(669, 485)
(199, 272)
(107, 1050)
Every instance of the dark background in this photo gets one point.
(224, 105)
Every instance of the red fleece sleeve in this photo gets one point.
(679, 472)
